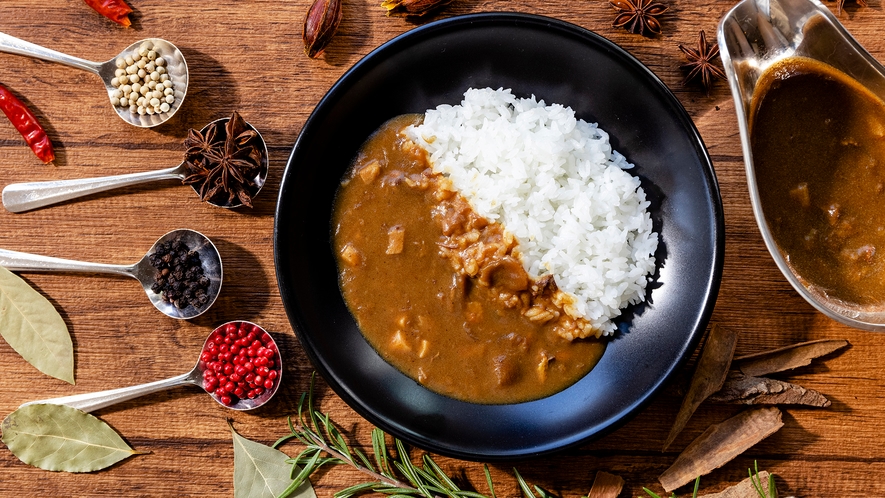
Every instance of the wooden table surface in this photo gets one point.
(246, 55)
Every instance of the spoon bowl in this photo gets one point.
(20, 197)
(142, 271)
(176, 67)
(89, 402)
(753, 36)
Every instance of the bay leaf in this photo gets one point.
(261, 471)
(30, 324)
(61, 438)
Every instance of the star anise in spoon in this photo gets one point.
(638, 16)
(700, 62)
(203, 144)
(224, 161)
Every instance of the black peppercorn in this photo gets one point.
(180, 277)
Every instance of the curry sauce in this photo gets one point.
(439, 291)
(818, 142)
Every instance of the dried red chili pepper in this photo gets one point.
(115, 10)
(26, 124)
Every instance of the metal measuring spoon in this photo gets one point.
(19, 197)
(176, 67)
(141, 271)
(94, 401)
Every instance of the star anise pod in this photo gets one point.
(224, 160)
(207, 145)
(638, 16)
(700, 62)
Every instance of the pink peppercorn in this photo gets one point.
(238, 363)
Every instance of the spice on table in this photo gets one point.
(638, 16)
(720, 444)
(708, 377)
(179, 277)
(411, 8)
(606, 485)
(787, 358)
(142, 83)
(26, 124)
(320, 25)
(746, 390)
(224, 160)
(700, 62)
(115, 10)
(239, 361)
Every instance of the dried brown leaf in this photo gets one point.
(606, 486)
(744, 489)
(746, 390)
(787, 358)
(720, 444)
(709, 376)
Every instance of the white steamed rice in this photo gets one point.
(555, 183)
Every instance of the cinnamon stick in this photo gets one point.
(721, 443)
(606, 485)
(746, 390)
(787, 358)
(709, 376)
(744, 489)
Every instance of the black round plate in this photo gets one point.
(557, 62)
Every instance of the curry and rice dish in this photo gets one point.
(448, 294)
(818, 141)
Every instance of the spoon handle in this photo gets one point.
(19, 197)
(22, 261)
(13, 45)
(95, 401)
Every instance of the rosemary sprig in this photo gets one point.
(392, 472)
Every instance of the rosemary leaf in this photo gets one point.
(485, 469)
(379, 446)
(526, 490)
(356, 489)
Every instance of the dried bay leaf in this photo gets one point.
(720, 444)
(61, 438)
(745, 489)
(787, 358)
(31, 325)
(746, 390)
(262, 471)
(606, 485)
(709, 375)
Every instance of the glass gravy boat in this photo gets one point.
(758, 33)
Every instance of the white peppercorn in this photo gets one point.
(142, 82)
